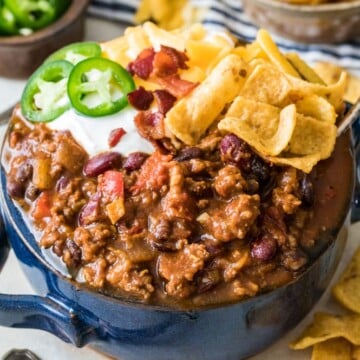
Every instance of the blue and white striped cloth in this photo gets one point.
(229, 14)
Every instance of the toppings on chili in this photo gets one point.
(76, 52)
(45, 97)
(99, 87)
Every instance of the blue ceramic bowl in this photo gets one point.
(131, 332)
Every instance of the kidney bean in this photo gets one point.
(75, 252)
(90, 211)
(236, 151)
(307, 192)
(207, 280)
(24, 172)
(264, 248)
(134, 161)
(101, 163)
(62, 183)
(32, 192)
(189, 153)
(260, 169)
(15, 189)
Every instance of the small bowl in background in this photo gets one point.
(323, 23)
(21, 55)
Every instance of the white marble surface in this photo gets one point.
(13, 281)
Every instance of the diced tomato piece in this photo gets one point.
(154, 173)
(115, 136)
(42, 206)
(111, 184)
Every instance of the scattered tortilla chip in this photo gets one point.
(272, 51)
(331, 73)
(347, 289)
(316, 107)
(326, 326)
(334, 349)
(191, 116)
(262, 126)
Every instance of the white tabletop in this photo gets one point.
(13, 281)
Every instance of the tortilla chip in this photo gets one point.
(272, 51)
(304, 69)
(312, 136)
(333, 93)
(264, 127)
(192, 115)
(303, 163)
(347, 289)
(331, 73)
(317, 107)
(327, 326)
(334, 349)
(268, 85)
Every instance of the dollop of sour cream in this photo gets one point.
(93, 133)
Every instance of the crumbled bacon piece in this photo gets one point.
(150, 125)
(176, 86)
(164, 65)
(167, 61)
(179, 57)
(115, 136)
(142, 66)
(165, 100)
(140, 98)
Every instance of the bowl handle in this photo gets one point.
(355, 211)
(44, 313)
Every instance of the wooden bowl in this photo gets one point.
(333, 22)
(21, 55)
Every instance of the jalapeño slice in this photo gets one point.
(7, 21)
(45, 95)
(99, 87)
(76, 52)
(33, 14)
